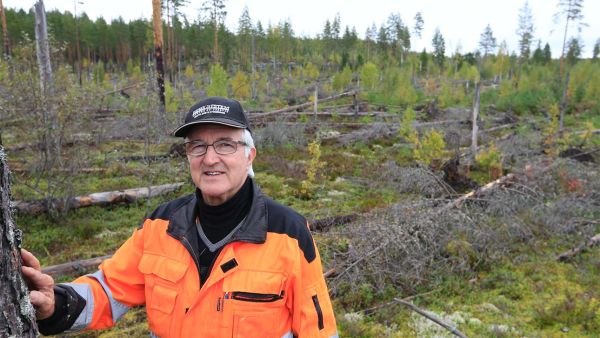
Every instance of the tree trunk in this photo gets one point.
(4, 32)
(563, 102)
(254, 94)
(51, 140)
(43, 49)
(17, 315)
(77, 46)
(158, 53)
(474, 120)
(216, 42)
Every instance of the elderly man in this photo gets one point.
(225, 261)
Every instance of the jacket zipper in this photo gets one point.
(189, 248)
(255, 297)
(319, 311)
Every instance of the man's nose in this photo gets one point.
(211, 155)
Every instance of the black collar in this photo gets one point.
(182, 223)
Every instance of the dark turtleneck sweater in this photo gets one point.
(217, 222)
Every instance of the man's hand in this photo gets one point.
(41, 286)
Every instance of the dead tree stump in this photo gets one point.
(17, 315)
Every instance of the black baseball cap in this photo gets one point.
(217, 110)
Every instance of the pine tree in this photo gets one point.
(525, 31)
(596, 50)
(215, 10)
(572, 10)
(423, 59)
(439, 48)
(538, 55)
(419, 23)
(245, 37)
(574, 51)
(547, 54)
(487, 41)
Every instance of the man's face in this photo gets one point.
(219, 177)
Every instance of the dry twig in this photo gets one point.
(431, 317)
(567, 255)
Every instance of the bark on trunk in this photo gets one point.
(17, 315)
(475, 114)
(158, 51)
(4, 32)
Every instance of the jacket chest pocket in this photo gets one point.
(255, 303)
(163, 277)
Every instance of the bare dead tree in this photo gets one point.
(50, 141)
(17, 315)
(158, 52)
(475, 114)
(563, 102)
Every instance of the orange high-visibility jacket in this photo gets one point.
(266, 282)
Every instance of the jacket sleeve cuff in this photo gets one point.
(68, 304)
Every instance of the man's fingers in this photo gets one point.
(36, 279)
(37, 298)
(44, 305)
(30, 260)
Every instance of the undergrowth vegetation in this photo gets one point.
(487, 265)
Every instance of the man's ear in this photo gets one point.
(251, 155)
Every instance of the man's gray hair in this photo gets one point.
(247, 138)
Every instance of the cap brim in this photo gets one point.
(183, 129)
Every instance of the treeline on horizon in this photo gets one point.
(117, 41)
(272, 66)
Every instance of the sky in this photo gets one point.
(461, 22)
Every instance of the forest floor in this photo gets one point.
(487, 267)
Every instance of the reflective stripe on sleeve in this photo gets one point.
(288, 335)
(85, 317)
(118, 309)
(335, 336)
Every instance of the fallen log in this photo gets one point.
(118, 90)
(569, 254)
(64, 170)
(148, 158)
(100, 198)
(596, 131)
(457, 203)
(504, 126)
(325, 223)
(436, 123)
(73, 267)
(304, 105)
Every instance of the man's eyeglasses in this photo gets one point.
(221, 147)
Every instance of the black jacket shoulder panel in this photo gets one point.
(165, 210)
(284, 220)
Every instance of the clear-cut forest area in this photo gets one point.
(449, 193)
